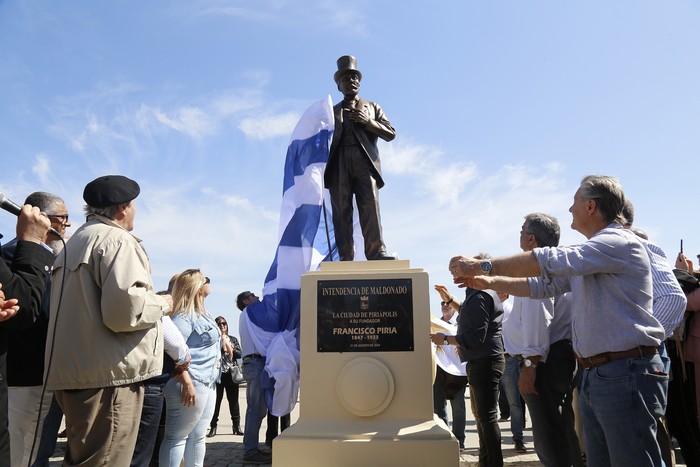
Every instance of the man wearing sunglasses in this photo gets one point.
(23, 280)
(25, 353)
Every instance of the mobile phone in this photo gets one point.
(681, 245)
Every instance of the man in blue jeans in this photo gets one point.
(253, 364)
(509, 385)
(615, 335)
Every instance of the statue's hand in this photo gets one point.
(358, 116)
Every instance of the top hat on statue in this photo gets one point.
(346, 63)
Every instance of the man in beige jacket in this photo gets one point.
(105, 323)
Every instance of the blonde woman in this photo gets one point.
(185, 426)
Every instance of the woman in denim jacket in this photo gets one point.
(186, 420)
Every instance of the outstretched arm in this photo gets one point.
(447, 297)
(517, 286)
(519, 265)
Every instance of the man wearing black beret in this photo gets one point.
(105, 316)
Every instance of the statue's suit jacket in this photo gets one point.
(366, 138)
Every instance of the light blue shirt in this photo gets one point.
(669, 299)
(610, 280)
(560, 327)
(203, 338)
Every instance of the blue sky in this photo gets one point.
(500, 109)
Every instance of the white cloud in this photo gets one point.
(486, 216)
(230, 237)
(326, 14)
(42, 168)
(447, 184)
(443, 182)
(269, 126)
(406, 158)
(230, 103)
(191, 121)
(96, 123)
(235, 201)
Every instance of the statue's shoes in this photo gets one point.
(383, 257)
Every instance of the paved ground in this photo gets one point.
(226, 450)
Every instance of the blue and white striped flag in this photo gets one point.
(303, 245)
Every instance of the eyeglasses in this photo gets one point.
(206, 280)
(443, 303)
(222, 324)
(62, 217)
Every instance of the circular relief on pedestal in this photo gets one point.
(364, 386)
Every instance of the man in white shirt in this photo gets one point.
(440, 391)
(538, 334)
(253, 364)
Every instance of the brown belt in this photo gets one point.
(607, 357)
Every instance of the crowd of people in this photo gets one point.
(138, 375)
(601, 336)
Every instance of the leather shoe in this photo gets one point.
(212, 432)
(237, 431)
(383, 257)
(520, 447)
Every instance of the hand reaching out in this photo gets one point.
(464, 266)
(444, 293)
(476, 282)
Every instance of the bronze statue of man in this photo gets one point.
(353, 165)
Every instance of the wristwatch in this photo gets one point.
(529, 363)
(486, 267)
(445, 341)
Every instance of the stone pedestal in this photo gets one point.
(366, 393)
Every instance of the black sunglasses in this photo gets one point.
(221, 323)
(206, 280)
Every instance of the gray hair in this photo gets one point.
(545, 228)
(108, 211)
(607, 193)
(628, 213)
(46, 202)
